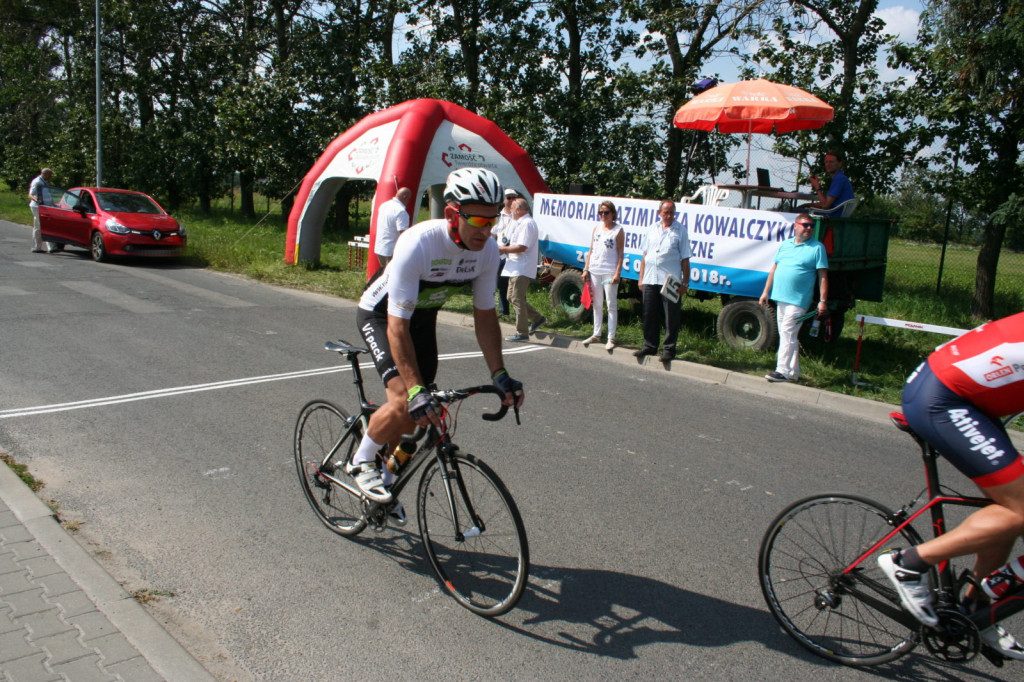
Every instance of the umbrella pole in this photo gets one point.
(750, 130)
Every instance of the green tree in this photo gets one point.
(685, 36)
(970, 89)
(830, 48)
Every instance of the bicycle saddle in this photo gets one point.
(342, 346)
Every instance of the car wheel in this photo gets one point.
(99, 249)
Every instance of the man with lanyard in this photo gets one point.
(666, 251)
(397, 315)
(797, 264)
(954, 400)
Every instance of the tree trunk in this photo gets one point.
(341, 217)
(983, 302)
(245, 192)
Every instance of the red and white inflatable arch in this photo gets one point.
(415, 144)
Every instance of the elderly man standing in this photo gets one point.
(392, 220)
(36, 191)
(521, 253)
(666, 251)
(791, 285)
(501, 230)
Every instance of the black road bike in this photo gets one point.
(471, 529)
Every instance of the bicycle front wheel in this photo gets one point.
(802, 568)
(484, 560)
(323, 428)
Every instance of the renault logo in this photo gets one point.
(157, 235)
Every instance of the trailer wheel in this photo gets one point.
(566, 295)
(745, 324)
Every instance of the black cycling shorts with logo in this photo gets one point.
(423, 329)
(973, 442)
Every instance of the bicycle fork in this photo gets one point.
(449, 472)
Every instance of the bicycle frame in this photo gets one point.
(949, 585)
(430, 438)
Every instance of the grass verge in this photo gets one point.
(254, 248)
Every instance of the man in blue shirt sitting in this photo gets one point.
(839, 188)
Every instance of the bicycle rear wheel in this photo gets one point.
(801, 568)
(487, 569)
(321, 428)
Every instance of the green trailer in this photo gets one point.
(857, 253)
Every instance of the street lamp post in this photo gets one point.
(99, 105)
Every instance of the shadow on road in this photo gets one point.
(613, 614)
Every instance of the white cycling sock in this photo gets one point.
(367, 450)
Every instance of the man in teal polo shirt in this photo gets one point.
(791, 285)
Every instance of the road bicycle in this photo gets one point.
(471, 529)
(819, 575)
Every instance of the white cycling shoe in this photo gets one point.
(368, 478)
(1003, 642)
(914, 588)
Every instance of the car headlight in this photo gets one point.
(181, 230)
(116, 227)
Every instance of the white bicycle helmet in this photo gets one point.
(473, 186)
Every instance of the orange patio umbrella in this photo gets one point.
(755, 106)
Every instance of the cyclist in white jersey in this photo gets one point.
(398, 314)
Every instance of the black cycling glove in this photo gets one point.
(507, 384)
(422, 403)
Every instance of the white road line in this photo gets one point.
(234, 383)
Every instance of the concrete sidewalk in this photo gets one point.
(62, 616)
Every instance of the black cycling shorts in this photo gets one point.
(422, 328)
(973, 442)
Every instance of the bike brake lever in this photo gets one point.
(518, 423)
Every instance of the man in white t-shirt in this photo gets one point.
(521, 254)
(36, 191)
(392, 220)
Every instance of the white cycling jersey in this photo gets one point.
(427, 269)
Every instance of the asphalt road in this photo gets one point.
(158, 402)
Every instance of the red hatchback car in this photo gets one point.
(111, 222)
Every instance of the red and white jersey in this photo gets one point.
(986, 366)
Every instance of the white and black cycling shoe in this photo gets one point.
(367, 477)
(914, 588)
(1003, 642)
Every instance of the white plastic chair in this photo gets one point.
(708, 194)
(843, 210)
